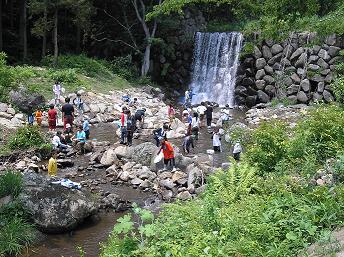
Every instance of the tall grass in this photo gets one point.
(10, 184)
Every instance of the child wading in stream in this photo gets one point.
(168, 152)
(52, 165)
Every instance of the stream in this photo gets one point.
(94, 231)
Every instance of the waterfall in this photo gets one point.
(216, 58)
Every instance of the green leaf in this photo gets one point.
(124, 225)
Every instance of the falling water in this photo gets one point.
(216, 58)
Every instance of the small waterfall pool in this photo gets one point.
(216, 59)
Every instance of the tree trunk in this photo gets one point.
(78, 39)
(56, 49)
(146, 60)
(44, 39)
(22, 28)
(0, 25)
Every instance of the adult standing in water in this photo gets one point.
(209, 114)
(67, 113)
(52, 117)
(124, 116)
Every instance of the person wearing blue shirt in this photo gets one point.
(86, 128)
(80, 140)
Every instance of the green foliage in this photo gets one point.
(15, 235)
(321, 134)
(26, 137)
(6, 78)
(15, 232)
(79, 63)
(125, 240)
(247, 49)
(10, 184)
(276, 218)
(268, 145)
(123, 67)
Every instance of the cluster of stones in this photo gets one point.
(292, 69)
(265, 112)
(9, 118)
(172, 65)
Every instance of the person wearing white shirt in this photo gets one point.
(56, 141)
(237, 151)
(201, 110)
(195, 125)
(216, 140)
(57, 92)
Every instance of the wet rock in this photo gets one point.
(260, 74)
(301, 60)
(260, 84)
(54, 208)
(266, 52)
(321, 63)
(65, 163)
(295, 78)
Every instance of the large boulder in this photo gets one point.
(109, 158)
(54, 208)
(141, 153)
(26, 101)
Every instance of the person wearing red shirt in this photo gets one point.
(52, 118)
(168, 152)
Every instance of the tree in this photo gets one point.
(23, 28)
(0, 25)
(140, 10)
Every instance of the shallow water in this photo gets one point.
(92, 233)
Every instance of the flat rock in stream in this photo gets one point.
(54, 208)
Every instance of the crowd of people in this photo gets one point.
(131, 121)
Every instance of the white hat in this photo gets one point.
(68, 125)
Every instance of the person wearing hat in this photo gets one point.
(52, 117)
(68, 134)
(168, 152)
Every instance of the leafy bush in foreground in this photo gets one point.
(274, 219)
(15, 231)
(10, 184)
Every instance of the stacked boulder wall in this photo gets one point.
(54, 208)
(291, 69)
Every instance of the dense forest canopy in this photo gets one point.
(33, 29)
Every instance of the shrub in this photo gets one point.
(321, 134)
(338, 88)
(10, 184)
(15, 235)
(26, 137)
(267, 145)
(6, 78)
(123, 67)
(81, 63)
(276, 219)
